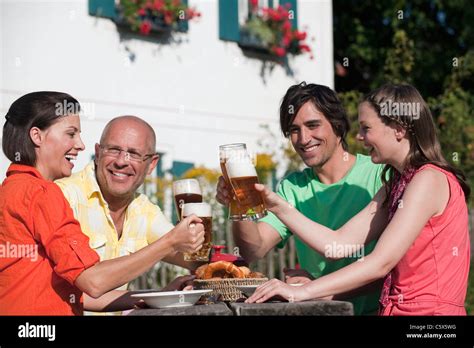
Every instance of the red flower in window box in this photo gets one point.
(145, 27)
(286, 26)
(286, 40)
(158, 5)
(300, 35)
(275, 15)
(305, 48)
(279, 51)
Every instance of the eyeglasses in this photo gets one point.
(115, 151)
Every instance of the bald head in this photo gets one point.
(131, 122)
(124, 157)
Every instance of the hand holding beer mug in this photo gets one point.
(239, 171)
(188, 235)
(204, 212)
(186, 191)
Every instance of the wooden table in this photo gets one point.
(306, 308)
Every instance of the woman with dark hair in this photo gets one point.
(420, 218)
(46, 263)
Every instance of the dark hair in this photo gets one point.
(37, 109)
(416, 118)
(323, 98)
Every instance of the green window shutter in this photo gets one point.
(294, 8)
(183, 26)
(179, 168)
(159, 167)
(102, 8)
(229, 29)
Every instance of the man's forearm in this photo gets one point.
(248, 240)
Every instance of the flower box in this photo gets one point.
(251, 42)
(269, 31)
(157, 16)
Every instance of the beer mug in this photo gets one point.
(225, 152)
(186, 191)
(204, 212)
(239, 172)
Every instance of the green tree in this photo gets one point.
(454, 112)
(425, 43)
(365, 35)
(400, 59)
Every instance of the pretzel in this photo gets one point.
(222, 269)
(200, 271)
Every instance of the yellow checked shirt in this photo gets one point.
(144, 221)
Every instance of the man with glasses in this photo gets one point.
(104, 198)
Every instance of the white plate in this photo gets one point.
(168, 299)
(297, 284)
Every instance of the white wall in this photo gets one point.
(197, 94)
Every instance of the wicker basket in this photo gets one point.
(226, 287)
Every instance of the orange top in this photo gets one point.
(42, 247)
(431, 278)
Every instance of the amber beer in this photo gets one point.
(204, 212)
(186, 191)
(243, 177)
(225, 152)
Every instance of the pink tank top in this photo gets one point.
(431, 278)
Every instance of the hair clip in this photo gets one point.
(408, 126)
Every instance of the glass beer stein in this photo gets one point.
(186, 191)
(239, 172)
(204, 212)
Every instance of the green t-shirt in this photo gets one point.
(332, 206)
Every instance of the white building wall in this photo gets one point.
(197, 94)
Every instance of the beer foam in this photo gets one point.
(199, 209)
(240, 168)
(226, 151)
(186, 186)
